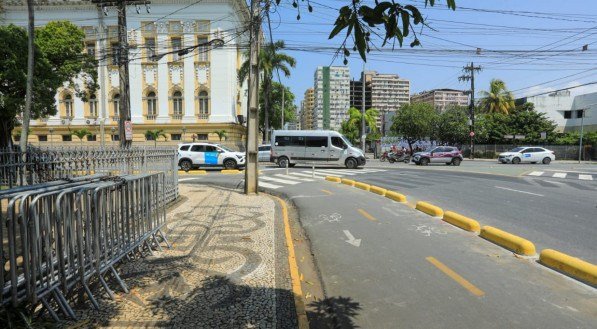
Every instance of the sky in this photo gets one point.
(533, 45)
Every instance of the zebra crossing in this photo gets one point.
(565, 175)
(276, 181)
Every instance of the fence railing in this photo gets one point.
(563, 152)
(61, 235)
(39, 165)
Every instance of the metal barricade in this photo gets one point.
(59, 236)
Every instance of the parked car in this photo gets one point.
(440, 154)
(314, 146)
(527, 154)
(264, 153)
(194, 155)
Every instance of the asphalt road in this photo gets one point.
(385, 265)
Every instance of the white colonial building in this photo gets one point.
(188, 96)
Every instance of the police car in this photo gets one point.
(194, 155)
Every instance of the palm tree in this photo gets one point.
(270, 60)
(81, 133)
(154, 135)
(498, 99)
(221, 134)
(351, 128)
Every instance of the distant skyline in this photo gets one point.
(534, 46)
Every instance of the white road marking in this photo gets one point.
(305, 175)
(278, 180)
(560, 175)
(186, 179)
(536, 173)
(335, 172)
(317, 173)
(585, 177)
(268, 185)
(513, 190)
(351, 239)
(297, 178)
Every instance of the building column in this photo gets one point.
(162, 80)
(135, 78)
(189, 82)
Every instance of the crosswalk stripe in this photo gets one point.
(585, 177)
(305, 175)
(268, 185)
(317, 173)
(536, 173)
(297, 178)
(336, 172)
(278, 180)
(372, 170)
(560, 175)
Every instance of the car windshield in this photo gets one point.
(346, 141)
(225, 148)
(517, 149)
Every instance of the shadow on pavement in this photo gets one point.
(333, 312)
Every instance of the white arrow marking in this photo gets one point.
(351, 239)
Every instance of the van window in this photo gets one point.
(297, 141)
(283, 140)
(338, 142)
(184, 147)
(198, 148)
(317, 141)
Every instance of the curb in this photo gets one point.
(396, 196)
(378, 190)
(429, 209)
(465, 223)
(362, 186)
(348, 182)
(230, 171)
(571, 266)
(194, 172)
(507, 240)
(333, 179)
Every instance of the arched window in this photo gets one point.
(203, 103)
(93, 105)
(116, 104)
(177, 103)
(151, 104)
(68, 106)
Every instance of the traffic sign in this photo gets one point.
(472, 134)
(128, 130)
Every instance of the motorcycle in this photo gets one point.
(395, 157)
(384, 156)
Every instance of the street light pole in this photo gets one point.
(363, 136)
(582, 124)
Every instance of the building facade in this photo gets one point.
(331, 96)
(388, 91)
(307, 107)
(189, 96)
(356, 94)
(442, 98)
(567, 111)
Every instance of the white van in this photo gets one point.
(290, 147)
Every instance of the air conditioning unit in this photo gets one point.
(63, 121)
(88, 121)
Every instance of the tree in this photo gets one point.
(59, 59)
(30, 72)
(414, 122)
(276, 106)
(270, 59)
(452, 126)
(153, 135)
(80, 133)
(498, 99)
(221, 134)
(351, 128)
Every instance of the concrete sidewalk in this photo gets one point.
(228, 268)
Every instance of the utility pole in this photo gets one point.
(123, 64)
(363, 135)
(469, 75)
(252, 170)
(30, 67)
(283, 93)
(102, 50)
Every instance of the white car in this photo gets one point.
(527, 154)
(264, 153)
(192, 155)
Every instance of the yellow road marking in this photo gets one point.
(462, 281)
(299, 304)
(327, 192)
(367, 215)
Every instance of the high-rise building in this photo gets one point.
(442, 98)
(356, 94)
(307, 106)
(332, 96)
(188, 96)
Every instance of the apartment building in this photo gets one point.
(356, 94)
(187, 96)
(442, 98)
(307, 107)
(331, 96)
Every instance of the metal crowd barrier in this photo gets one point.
(59, 236)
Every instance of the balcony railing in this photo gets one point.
(176, 116)
(150, 117)
(116, 118)
(203, 116)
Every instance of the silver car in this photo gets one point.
(264, 153)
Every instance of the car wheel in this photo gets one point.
(406, 160)
(516, 160)
(546, 160)
(230, 164)
(424, 161)
(186, 165)
(351, 163)
(282, 162)
(456, 161)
